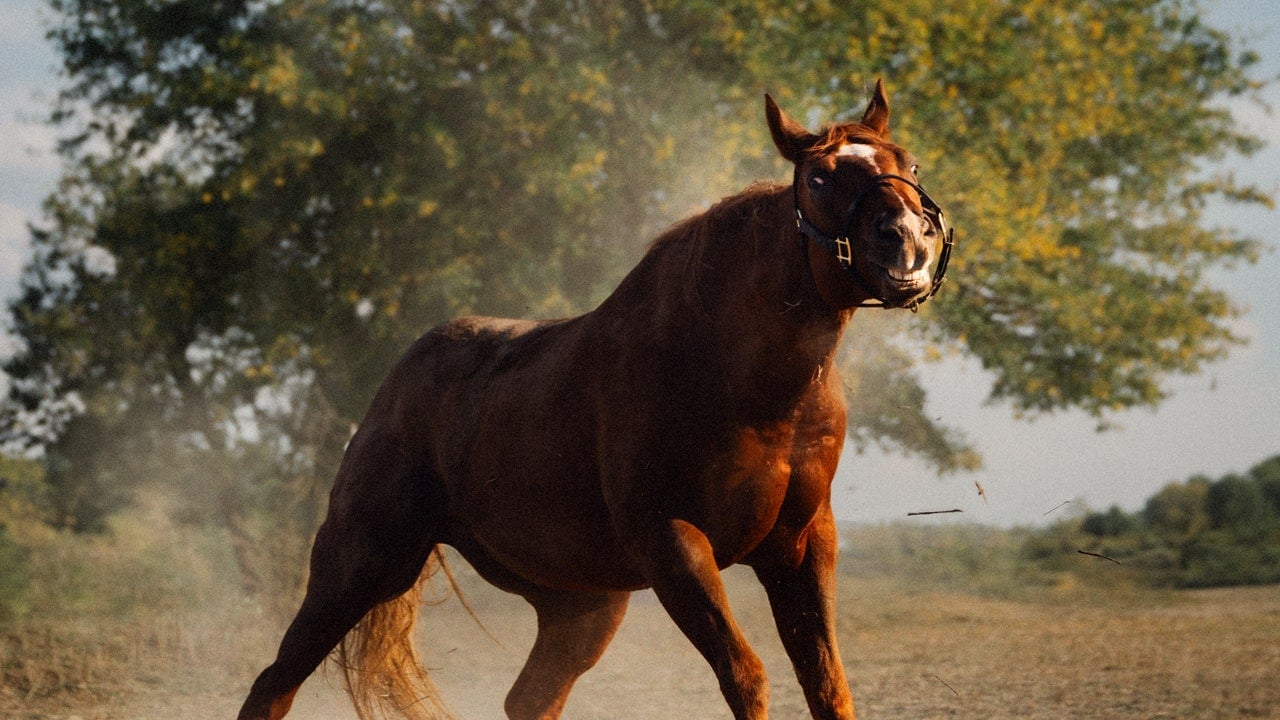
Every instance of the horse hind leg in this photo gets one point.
(573, 631)
(342, 591)
(367, 558)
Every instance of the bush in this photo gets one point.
(1219, 559)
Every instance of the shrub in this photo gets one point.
(1218, 559)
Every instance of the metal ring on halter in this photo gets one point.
(842, 247)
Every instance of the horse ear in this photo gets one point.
(790, 136)
(877, 115)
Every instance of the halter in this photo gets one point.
(842, 248)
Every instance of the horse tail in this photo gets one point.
(380, 666)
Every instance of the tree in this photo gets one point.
(1267, 475)
(265, 202)
(1113, 523)
(1177, 512)
(1237, 505)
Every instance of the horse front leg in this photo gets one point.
(678, 561)
(798, 573)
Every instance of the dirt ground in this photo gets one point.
(1197, 654)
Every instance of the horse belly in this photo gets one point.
(530, 492)
(551, 534)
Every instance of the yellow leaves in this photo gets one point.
(281, 78)
(427, 208)
(588, 167)
(383, 201)
(735, 38)
(665, 149)
(1096, 29)
(593, 91)
(448, 148)
(264, 371)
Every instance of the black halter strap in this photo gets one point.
(841, 247)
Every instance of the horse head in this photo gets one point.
(857, 196)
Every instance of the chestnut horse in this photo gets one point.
(692, 421)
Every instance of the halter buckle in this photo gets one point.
(844, 251)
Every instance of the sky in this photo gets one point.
(1221, 421)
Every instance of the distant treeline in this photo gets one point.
(1199, 532)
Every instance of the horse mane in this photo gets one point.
(698, 228)
(687, 244)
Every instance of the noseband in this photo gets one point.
(842, 248)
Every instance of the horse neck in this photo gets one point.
(733, 287)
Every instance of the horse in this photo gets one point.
(690, 422)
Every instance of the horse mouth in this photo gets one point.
(901, 287)
(907, 278)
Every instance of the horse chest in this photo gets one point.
(739, 496)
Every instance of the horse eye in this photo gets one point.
(817, 181)
(915, 169)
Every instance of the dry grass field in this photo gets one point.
(1065, 653)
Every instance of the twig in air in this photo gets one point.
(935, 512)
(1055, 507)
(944, 682)
(1098, 555)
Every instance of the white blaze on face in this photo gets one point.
(859, 150)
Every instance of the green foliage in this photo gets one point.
(1198, 533)
(1219, 559)
(1113, 522)
(1176, 513)
(1238, 506)
(1267, 475)
(264, 203)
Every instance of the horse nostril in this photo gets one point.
(892, 228)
